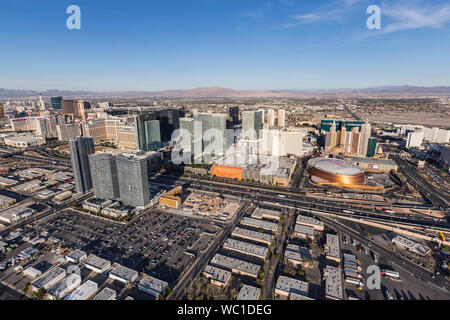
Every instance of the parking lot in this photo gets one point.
(158, 243)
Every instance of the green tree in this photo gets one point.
(40, 294)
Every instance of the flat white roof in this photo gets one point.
(305, 230)
(84, 292)
(232, 263)
(252, 234)
(153, 284)
(248, 293)
(48, 277)
(97, 262)
(259, 224)
(125, 273)
(217, 274)
(332, 247)
(106, 294)
(246, 247)
(289, 285)
(309, 221)
(333, 283)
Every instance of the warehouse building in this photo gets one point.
(248, 293)
(260, 224)
(49, 279)
(63, 288)
(333, 283)
(106, 294)
(152, 286)
(245, 248)
(219, 277)
(236, 265)
(15, 214)
(260, 213)
(32, 272)
(123, 274)
(6, 201)
(86, 291)
(303, 232)
(285, 286)
(332, 248)
(97, 264)
(297, 254)
(252, 235)
(310, 222)
(373, 165)
(76, 256)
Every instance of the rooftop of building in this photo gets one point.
(217, 274)
(248, 293)
(236, 264)
(333, 282)
(124, 273)
(289, 285)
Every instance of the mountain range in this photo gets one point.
(219, 92)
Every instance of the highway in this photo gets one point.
(438, 198)
(308, 203)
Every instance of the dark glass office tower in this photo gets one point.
(56, 103)
(234, 114)
(80, 149)
(169, 121)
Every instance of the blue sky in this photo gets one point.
(246, 44)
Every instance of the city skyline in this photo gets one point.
(256, 45)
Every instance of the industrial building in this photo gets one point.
(236, 265)
(297, 254)
(333, 248)
(248, 293)
(15, 214)
(6, 201)
(70, 283)
(106, 294)
(261, 224)
(24, 141)
(261, 213)
(252, 235)
(49, 279)
(219, 277)
(123, 274)
(303, 232)
(333, 283)
(97, 264)
(86, 291)
(245, 248)
(285, 286)
(411, 245)
(152, 286)
(310, 222)
(76, 256)
(372, 165)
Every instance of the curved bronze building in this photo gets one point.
(334, 171)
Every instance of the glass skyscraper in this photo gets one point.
(133, 177)
(104, 176)
(169, 121)
(80, 149)
(56, 103)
